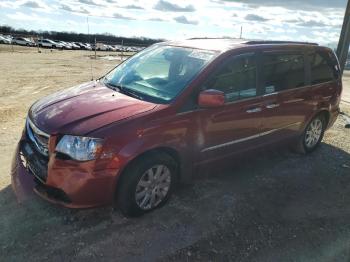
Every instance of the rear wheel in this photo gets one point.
(147, 184)
(312, 136)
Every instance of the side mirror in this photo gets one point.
(211, 98)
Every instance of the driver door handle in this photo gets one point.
(254, 110)
(270, 106)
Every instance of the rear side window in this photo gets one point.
(283, 71)
(323, 67)
(237, 79)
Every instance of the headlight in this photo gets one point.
(80, 148)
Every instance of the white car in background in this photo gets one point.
(5, 40)
(110, 48)
(22, 41)
(49, 43)
(87, 46)
(101, 47)
(65, 45)
(73, 45)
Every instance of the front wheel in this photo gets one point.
(147, 184)
(312, 135)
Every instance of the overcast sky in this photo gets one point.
(305, 20)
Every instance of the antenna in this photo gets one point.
(88, 28)
(240, 35)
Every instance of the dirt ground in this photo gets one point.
(270, 206)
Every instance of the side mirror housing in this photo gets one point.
(211, 98)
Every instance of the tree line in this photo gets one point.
(79, 37)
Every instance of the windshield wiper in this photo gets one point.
(121, 89)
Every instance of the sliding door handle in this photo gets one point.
(254, 110)
(270, 106)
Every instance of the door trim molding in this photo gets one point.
(248, 138)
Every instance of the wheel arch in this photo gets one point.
(326, 115)
(173, 153)
(325, 112)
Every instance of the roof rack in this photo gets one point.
(271, 42)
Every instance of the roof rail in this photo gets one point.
(272, 42)
(209, 38)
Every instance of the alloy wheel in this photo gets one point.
(153, 187)
(313, 133)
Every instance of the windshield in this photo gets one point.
(159, 73)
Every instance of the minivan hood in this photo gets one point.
(84, 108)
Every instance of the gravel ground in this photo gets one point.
(272, 205)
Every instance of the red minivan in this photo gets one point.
(130, 136)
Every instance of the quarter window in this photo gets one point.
(322, 68)
(237, 79)
(282, 72)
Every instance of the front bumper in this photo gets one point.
(68, 183)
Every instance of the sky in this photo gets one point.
(301, 20)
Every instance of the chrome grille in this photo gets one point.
(39, 138)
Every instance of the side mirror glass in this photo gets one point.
(211, 98)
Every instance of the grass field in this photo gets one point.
(273, 206)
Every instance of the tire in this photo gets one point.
(136, 190)
(54, 47)
(312, 135)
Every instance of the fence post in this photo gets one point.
(95, 49)
(37, 38)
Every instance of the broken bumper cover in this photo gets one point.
(68, 183)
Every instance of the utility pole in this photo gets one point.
(122, 50)
(344, 40)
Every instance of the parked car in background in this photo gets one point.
(80, 45)
(23, 41)
(49, 43)
(347, 65)
(65, 45)
(132, 135)
(118, 48)
(88, 46)
(83, 46)
(101, 47)
(5, 39)
(111, 48)
(139, 48)
(74, 46)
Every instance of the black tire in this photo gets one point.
(301, 146)
(127, 186)
(54, 47)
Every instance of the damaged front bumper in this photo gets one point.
(65, 182)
